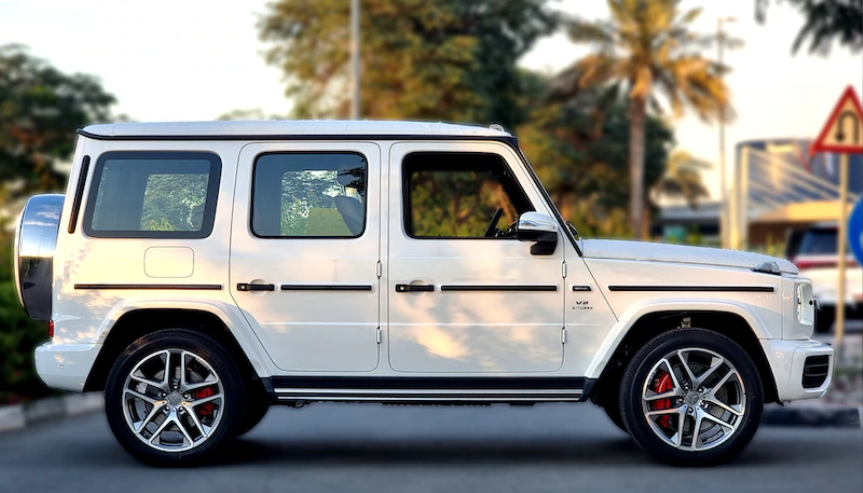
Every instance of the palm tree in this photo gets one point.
(646, 48)
(683, 178)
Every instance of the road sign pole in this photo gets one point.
(842, 250)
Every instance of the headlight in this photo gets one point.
(805, 303)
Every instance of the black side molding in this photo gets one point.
(326, 287)
(493, 287)
(691, 289)
(183, 287)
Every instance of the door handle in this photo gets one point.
(245, 286)
(414, 288)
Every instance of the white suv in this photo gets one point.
(200, 272)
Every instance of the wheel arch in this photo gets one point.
(131, 323)
(730, 323)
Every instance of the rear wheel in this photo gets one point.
(174, 397)
(691, 397)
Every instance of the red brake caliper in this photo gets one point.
(205, 409)
(663, 384)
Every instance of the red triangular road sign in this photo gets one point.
(843, 131)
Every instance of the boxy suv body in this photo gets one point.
(200, 272)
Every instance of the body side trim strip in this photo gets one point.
(190, 287)
(712, 289)
(326, 287)
(494, 287)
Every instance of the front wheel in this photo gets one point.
(174, 397)
(691, 397)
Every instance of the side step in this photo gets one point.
(426, 389)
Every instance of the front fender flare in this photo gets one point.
(637, 311)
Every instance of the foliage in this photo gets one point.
(459, 202)
(827, 21)
(422, 59)
(646, 48)
(682, 178)
(578, 155)
(40, 108)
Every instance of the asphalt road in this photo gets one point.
(356, 448)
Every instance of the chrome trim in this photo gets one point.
(467, 392)
(35, 243)
(311, 397)
(536, 222)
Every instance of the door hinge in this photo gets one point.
(563, 336)
(378, 335)
(563, 269)
(379, 270)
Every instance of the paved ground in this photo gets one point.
(356, 448)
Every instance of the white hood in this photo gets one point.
(659, 252)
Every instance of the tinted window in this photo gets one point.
(457, 195)
(153, 195)
(309, 195)
(819, 242)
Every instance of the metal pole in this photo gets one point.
(741, 220)
(723, 194)
(842, 251)
(355, 59)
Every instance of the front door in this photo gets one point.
(304, 253)
(465, 296)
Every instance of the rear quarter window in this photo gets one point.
(153, 195)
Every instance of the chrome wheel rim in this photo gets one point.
(173, 400)
(694, 399)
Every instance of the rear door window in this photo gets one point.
(309, 195)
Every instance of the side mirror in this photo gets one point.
(535, 226)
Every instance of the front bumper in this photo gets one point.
(788, 361)
(65, 366)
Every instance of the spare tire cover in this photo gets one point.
(35, 242)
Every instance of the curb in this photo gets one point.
(813, 416)
(17, 416)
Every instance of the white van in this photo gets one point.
(199, 273)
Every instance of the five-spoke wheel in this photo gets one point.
(173, 396)
(691, 397)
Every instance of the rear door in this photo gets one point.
(304, 253)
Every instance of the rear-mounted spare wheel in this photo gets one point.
(35, 241)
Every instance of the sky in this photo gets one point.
(187, 60)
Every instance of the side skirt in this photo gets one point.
(428, 390)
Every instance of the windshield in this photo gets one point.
(556, 211)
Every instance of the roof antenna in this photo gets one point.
(497, 126)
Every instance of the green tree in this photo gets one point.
(40, 108)
(647, 48)
(826, 22)
(683, 178)
(449, 60)
(577, 152)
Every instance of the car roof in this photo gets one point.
(288, 128)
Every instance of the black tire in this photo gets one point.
(612, 408)
(826, 317)
(231, 411)
(255, 412)
(635, 379)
